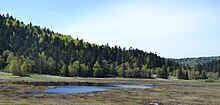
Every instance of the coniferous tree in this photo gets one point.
(51, 64)
(121, 70)
(112, 70)
(64, 70)
(46, 52)
(84, 70)
(30, 63)
(71, 70)
(76, 68)
(162, 73)
(98, 71)
(41, 63)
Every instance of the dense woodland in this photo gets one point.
(192, 62)
(26, 49)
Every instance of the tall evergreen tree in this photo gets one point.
(51, 66)
(64, 70)
(98, 71)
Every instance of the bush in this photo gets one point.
(209, 80)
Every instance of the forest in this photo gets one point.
(192, 62)
(27, 48)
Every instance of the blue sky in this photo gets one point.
(172, 28)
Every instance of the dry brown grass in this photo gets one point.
(164, 92)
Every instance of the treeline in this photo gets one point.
(198, 68)
(192, 62)
(46, 52)
(26, 49)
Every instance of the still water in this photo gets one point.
(77, 88)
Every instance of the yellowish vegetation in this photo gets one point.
(164, 92)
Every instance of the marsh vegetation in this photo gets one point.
(164, 92)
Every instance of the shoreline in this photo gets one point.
(164, 92)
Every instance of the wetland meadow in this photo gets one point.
(163, 92)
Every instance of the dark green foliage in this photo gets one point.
(121, 70)
(64, 70)
(54, 53)
(28, 49)
(192, 62)
(162, 73)
(199, 68)
(213, 66)
(1, 62)
(186, 76)
(84, 70)
(74, 69)
(209, 80)
(51, 65)
(112, 70)
(98, 71)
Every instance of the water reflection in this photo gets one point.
(76, 88)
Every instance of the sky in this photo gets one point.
(170, 28)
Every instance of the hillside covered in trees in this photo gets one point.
(192, 62)
(199, 68)
(26, 49)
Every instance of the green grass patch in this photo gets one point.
(165, 92)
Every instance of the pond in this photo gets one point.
(79, 87)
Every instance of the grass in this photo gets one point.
(164, 92)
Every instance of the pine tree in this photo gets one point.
(45, 49)
(112, 71)
(98, 71)
(30, 63)
(84, 70)
(76, 68)
(64, 70)
(121, 70)
(41, 63)
(51, 66)
(71, 70)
